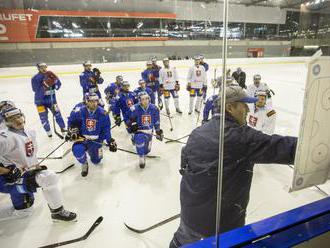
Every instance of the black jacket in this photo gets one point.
(243, 147)
(240, 78)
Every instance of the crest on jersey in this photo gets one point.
(253, 121)
(91, 124)
(198, 73)
(146, 120)
(129, 102)
(29, 149)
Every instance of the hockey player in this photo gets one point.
(112, 91)
(169, 84)
(151, 75)
(154, 64)
(261, 116)
(20, 174)
(240, 77)
(143, 87)
(89, 126)
(144, 118)
(197, 85)
(126, 100)
(252, 89)
(89, 80)
(3, 106)
(209, 107)
(44, 85)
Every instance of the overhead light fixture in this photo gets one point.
(311, 47)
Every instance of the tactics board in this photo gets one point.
(312, 161)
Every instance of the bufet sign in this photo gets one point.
(17, 25)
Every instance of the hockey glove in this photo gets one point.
(177, 86)
(161, 89)
(117, 120)
(97, 72)
(134, 127)
(204, 88)
(160, 104)
(50, 80)
(112, 145)
(13, 175)
(188, 87)
(72, 134)
(159, 134)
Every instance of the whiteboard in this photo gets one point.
(312, 161)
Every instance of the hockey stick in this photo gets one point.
(166, 115)
(153, 226)
(50, 158)
(171, 129)
(91, 229)
(131, 152)
(169, 118)
(116, 125)
(60, 157)
(171, 140)
(123, 150)
(177, 140)
(52, 152)
(54, 126)
(65, 169)
(214, 78)
(199, 113)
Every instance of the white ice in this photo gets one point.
(121, 192)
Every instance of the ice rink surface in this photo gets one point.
(120, 191)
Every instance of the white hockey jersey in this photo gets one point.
(262, 119)
(252, 89)
(18, 148)
(197, 77)
(168, 77)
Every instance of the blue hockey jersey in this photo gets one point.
(147, 119)
(112, 90)
(123, 104)
(92, 125)
(40, 92)
(150, 76)
(149, 91)
(86, 83)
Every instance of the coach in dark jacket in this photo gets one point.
(240, 77)
(243, 147)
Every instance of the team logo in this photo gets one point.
(90, 124)
(151, 77)
(146, 120)
(198, 73)
(253, 121)
(29, 148)
(129, 103)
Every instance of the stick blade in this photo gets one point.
(133, 229)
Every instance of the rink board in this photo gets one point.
(287, 229)
(312, 162)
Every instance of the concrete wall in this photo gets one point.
(185, 10)
(24, 54)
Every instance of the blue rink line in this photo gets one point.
(283, 230)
